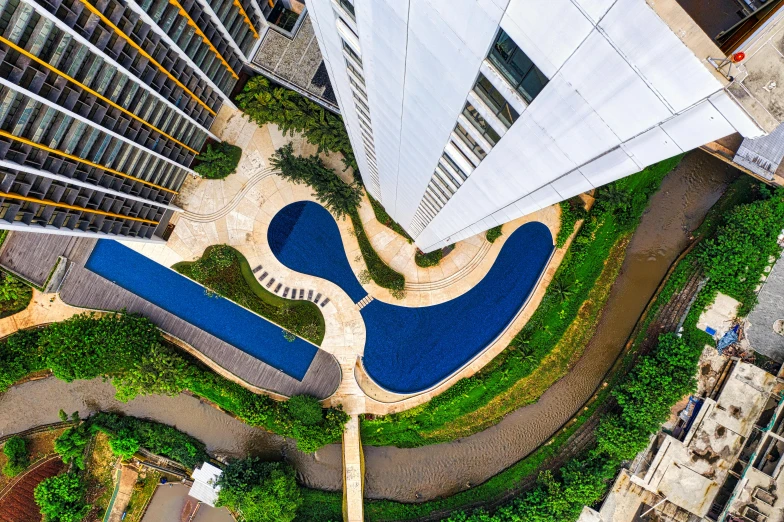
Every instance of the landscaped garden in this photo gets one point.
(130, 350)
(553, 338)
(226, 272)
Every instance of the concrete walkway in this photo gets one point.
(353, 472)
(128, 478)
(43, 309)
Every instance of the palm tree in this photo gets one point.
(561, 290)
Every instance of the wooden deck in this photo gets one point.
(85, 289)
(33, 256)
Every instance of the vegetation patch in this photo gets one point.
(427, 260)
(62, 498)
(257, 491)
(265, 103)
(218, 161)
(17, 456)
(15, 295)
(129, 349)
(612, 219)
(386, 220)
(226, 272)
(572, 210)
(142, 494)
(494, 233)
(99, 474)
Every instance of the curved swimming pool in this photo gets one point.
(412, 349)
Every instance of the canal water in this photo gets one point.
(418, 474)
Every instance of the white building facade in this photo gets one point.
(467, 114)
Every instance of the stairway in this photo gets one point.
(364, 301)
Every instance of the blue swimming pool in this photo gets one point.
(412, 349)
(189, 301)
(304, 237)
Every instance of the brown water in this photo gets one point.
(442, 469)
(38, 402)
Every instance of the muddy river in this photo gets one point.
(441, 469)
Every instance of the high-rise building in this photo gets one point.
(105, 103)
(466, 114)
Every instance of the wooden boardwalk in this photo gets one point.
(84, 289)
(33, 255)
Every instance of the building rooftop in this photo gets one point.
(205, 488)
(764, 325)
(293, 59)
(684, 478)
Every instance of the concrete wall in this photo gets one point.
(624, 92)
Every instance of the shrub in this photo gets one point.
(71, 444)
(61, 498)
(572, 211)
(265, 103)
(160, 372)
(124, 443)
(494, 233)
(306, 410)
(219, 161)
(128, 434)
(20, 356)
(331, 191)
(385, 219)
(428, 260)
(381, 273)
(737, 255)
(15, 450)
(88, 346)
(260, 491)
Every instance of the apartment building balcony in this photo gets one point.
(291, 57)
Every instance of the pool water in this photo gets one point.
(190, 302)
(412, 349)
(305, 237)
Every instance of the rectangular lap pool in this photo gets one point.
(191, 302)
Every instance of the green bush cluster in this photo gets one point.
(331, 191)
(258, 491)
(430, 259)
(15, 294)
(130, 350)
(494, 233)
(226, 272)
(381, 273)
(572, 210)
(385, 219)
(128, 434)
(611, 219)
(735, 258)
(17, 457)
(72, 443)
(266, 103)
(62, 498)
(218, 161)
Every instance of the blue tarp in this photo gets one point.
(729, 339)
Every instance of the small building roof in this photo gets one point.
(761, 323)
(205, 479)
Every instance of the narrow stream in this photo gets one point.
(433, 471)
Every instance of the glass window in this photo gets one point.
(351, 52)
(470, 142)
(481, 124)
(348, 7)
(517, 68)
(495, 100)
